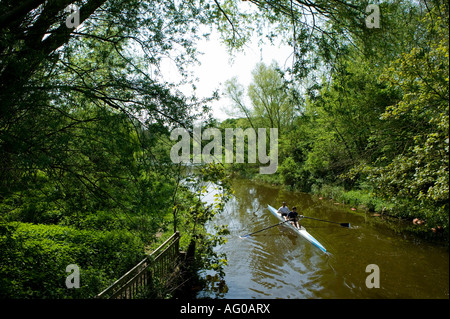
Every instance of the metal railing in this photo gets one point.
(159, 265)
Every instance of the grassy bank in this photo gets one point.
(362, 199)
(355, 198)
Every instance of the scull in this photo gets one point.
(301, 230)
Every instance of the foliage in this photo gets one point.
(364, 198)
(372, 105)
(84, 136)
(271, 99)
(85, 116)
(420, 172)
(35, 257)
(203, 198)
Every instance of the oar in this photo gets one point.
(248, 235)
(327, 221)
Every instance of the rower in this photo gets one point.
(283, 210)
(293, 217)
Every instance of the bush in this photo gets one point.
(34, 259)
(293, 174)
(288, 171)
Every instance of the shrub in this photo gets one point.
(34, 259)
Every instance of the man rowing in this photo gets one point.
(292, 216)
(284, 210)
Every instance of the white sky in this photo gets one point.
(217, 67)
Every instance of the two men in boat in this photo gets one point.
(289, 215)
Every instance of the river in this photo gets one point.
(278, 263)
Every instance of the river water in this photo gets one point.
(278, 263)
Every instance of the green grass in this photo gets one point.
(354, 198)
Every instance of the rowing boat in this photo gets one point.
(301, 230)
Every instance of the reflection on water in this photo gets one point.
(278, 263)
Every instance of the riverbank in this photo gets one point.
(396, 217)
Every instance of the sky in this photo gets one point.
(217, 66)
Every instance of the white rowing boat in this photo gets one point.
(301, 230)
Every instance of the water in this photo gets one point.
(278, 263)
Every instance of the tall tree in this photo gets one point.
(272, 100)
(270, 97)
(49, 72)
(84, 147)
(418, 171)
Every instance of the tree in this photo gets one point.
(419, 173)
(44, 78)
(272, 101)
(344, 116)
(84, 126)
(236, 92)
(270, 98)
